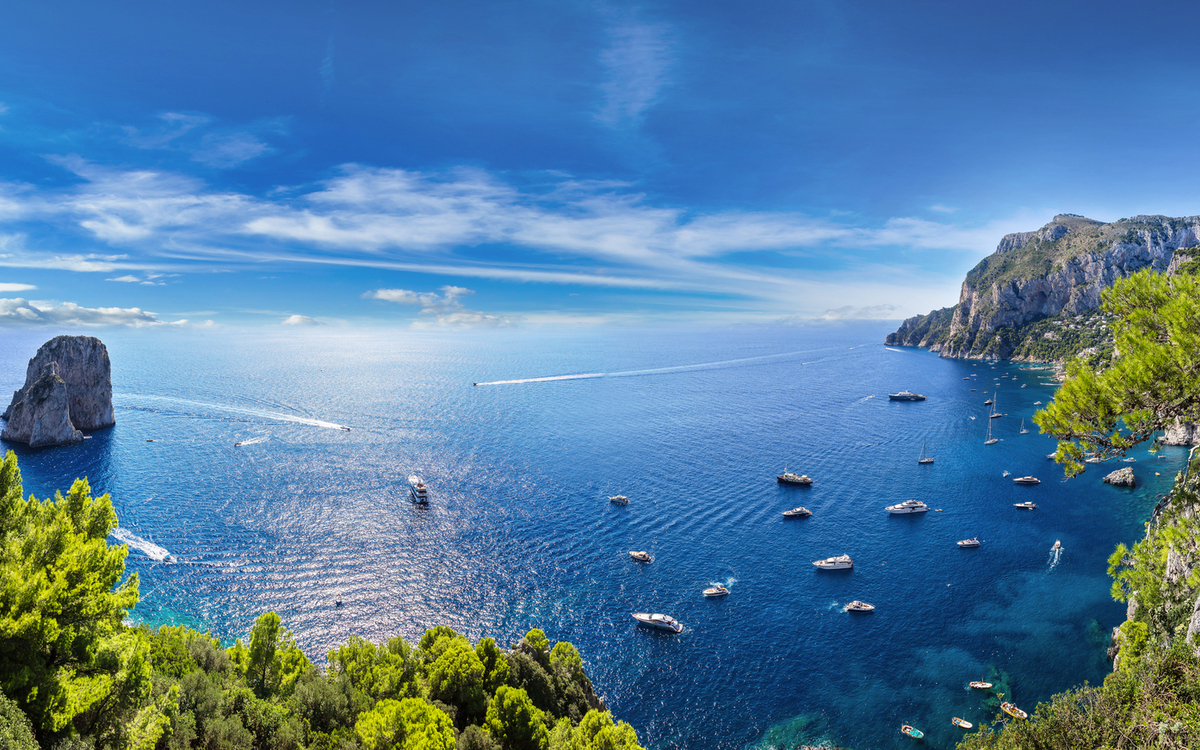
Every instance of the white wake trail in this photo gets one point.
(147, 548)
(653, 371)
(276, 416)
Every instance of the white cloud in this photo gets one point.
(300, 320)
(443, 310)
(230, 149)
(23, 312)
(636, 62)
(942, 209)
(850, 312)
(126, 279)
(7, 287)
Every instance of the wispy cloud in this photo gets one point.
(203, 141)
(445, 309)
(938, 207)
(636, 63)
(9, 287)
(23, 312)
(299, 320)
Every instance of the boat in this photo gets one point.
(981, 685)
(1026, 505)
(988, 402)
(840, 562)
(797, 513)
(1005, 473)
(857, 606)
(995, 414)
(989, 440)
(972, 542)
(908, 506)
(1013, 711)
(791, 477)
(417, 489)
(1037, 403)
(717, 590)
(924, 459)
(905, 395)
(660, 622)
(1026, 480)
(1051, 455)
(961, 723)
(1057, 545)
(1023, 430)
(916, 734)
(640, 555)
(618, 500)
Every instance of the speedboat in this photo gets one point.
(988, 402)
(1057, 545)
(916, 734)
(857, 606)
(908, 506)
(798, 513)
(1026, 505)
(1013, 711)
(972, 542)
(981, 685)
(717, 590)
(835, 563)
(640, 555)
(660, 622)
(618, 500)
(1026, 480)
(417, 489)
(961, 723)
(905, 395)
(1051, 455)
(791, 477)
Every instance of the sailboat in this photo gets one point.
(924, 459)
(990, 440)
(995, 413)
(1023, 430)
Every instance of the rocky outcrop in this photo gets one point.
(68, 388)
(1058, 270)
(1181, 433)
(1121, 478)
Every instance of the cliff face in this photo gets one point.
(1058, 270)
(68, 388)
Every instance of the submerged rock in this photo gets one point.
(68, 388)
(1121, 478)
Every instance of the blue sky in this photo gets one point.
(463, 164)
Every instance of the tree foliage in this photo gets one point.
(1153, 380)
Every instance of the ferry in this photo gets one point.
(908, 506)
(659, 622)
(905, 395)
(417, 490)
(835, 563)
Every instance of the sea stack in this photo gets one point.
(1121, 478)
(68, 388)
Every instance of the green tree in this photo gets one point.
(495, 665)
(60, 602)
(386, 671)
(514, 722)
(15, 731)
(456, 678)
(410, 724)
(274, 662)
(1153, 381)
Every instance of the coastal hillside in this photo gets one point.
(1037, 297)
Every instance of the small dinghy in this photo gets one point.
(857, 606)
(961, 723)
(715, 591)
(797, 513)
(640, 555)
(913, 732)
(981, 685)
(1013, 711)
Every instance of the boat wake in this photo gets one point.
(135, 542)
(1055, 557)
(890, 349)
(251, 441)
(865, 398)
(654, 371)
(727, 583)
(274, 416)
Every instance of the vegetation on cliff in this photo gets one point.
(76, 676)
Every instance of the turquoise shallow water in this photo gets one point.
(692, 426)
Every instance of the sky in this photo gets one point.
(524, 164)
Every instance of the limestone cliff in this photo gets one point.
(68, 388)
(1031, 297)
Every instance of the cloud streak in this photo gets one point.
(19, 312)
(444, 310)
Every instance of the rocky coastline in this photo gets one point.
(68, 389)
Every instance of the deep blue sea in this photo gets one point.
(691, 425)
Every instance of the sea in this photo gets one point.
(240, 490)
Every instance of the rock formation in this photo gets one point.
(1181, 433)
(68, 388)
(1121, 478)
(1058, 270)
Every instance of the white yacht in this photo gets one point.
(640, 555)
(857, 606)
(1026, 505)
(661, 622)
(715, 591)
(905, 395)
(791, 477)
(1026, 480)
(417, 489)
(619, 500)
(972, 542)
(835, 563)
(908, 506)
(798, 513)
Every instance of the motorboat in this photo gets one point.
(1026, 480)
(640, 555)
(715, 591)
(988, 402)
(961, 723)
(857, 606)
(905, 395)
(1051, 455)
(797, 513)
(1057, 545)
(972, 542)
(908, 506)
(1026, 505)
(791, 477)
(916, 734)
(659, 622)
(981, 685)
(618, 500)
(840, 562)
(1013, 711)
(417, 489)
